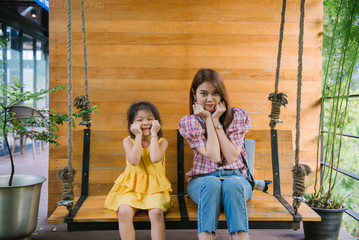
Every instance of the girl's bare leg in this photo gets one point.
(158, 230)
(239, 236)
(125, 222)
(206, 236)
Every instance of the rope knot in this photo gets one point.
(82, 102)
(278, 100)
(299, 172)
(67, 175)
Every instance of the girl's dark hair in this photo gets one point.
(212, 76)
(135, 107)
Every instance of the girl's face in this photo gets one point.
(208, 96)
(144, 118)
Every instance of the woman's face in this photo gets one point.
(208, 96)
(144, 118)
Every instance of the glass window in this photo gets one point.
(41, 72)
(13, 56)
(2, 48)
(28, 65)
(2, 62)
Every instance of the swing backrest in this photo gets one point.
(250, 149)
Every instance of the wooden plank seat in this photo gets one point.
(264, 210)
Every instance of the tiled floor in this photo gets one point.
(25, 164)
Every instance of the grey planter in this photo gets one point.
(328, 228)
(19, 206)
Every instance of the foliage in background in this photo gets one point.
(12, 96)
(2, 73)
(340, 113)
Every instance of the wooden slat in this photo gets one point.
(229, 5)
(93, 211)
(58, 215)
(139, 38)
(262, 207)
(124, 13)
(202, 27)
(172, 74)
(175, 51)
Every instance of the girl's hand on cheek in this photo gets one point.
(200, 111)
(155, 127)
(136, 129)
(220, 109)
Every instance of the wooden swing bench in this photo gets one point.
(106, 160)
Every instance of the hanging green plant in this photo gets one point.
(340, 62)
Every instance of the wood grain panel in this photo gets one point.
(177, 50)
(184, 15)
(151, 50)
(201, 27)
(181, 39)
(189, 4)
(173, 74)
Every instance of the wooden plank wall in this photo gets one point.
(150, 50)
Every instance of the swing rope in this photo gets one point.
(67, 173)
(278, 99)
(84, 46)
(83, 102)
(299, 170)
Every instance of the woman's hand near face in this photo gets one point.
(155, 128)
(220, 109)
(136, 129)
(200, 111)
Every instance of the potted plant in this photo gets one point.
(340, 61)
(20, 194)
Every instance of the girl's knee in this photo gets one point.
(125, 213)
(155, 214)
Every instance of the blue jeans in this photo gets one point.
(211, 192)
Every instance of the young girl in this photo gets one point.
(215, 132)
(143, 185)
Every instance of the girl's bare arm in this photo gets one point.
(158, 150)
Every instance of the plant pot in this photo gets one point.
(19, 206)
(328, 228)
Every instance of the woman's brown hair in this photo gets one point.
(212, 76)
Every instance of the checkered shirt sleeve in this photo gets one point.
(191, 129)
(239, 126)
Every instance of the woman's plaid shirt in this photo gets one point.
(193, 128)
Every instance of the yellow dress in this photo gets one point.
(144, 186)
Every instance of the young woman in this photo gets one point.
(215, 132)
(143, 185)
